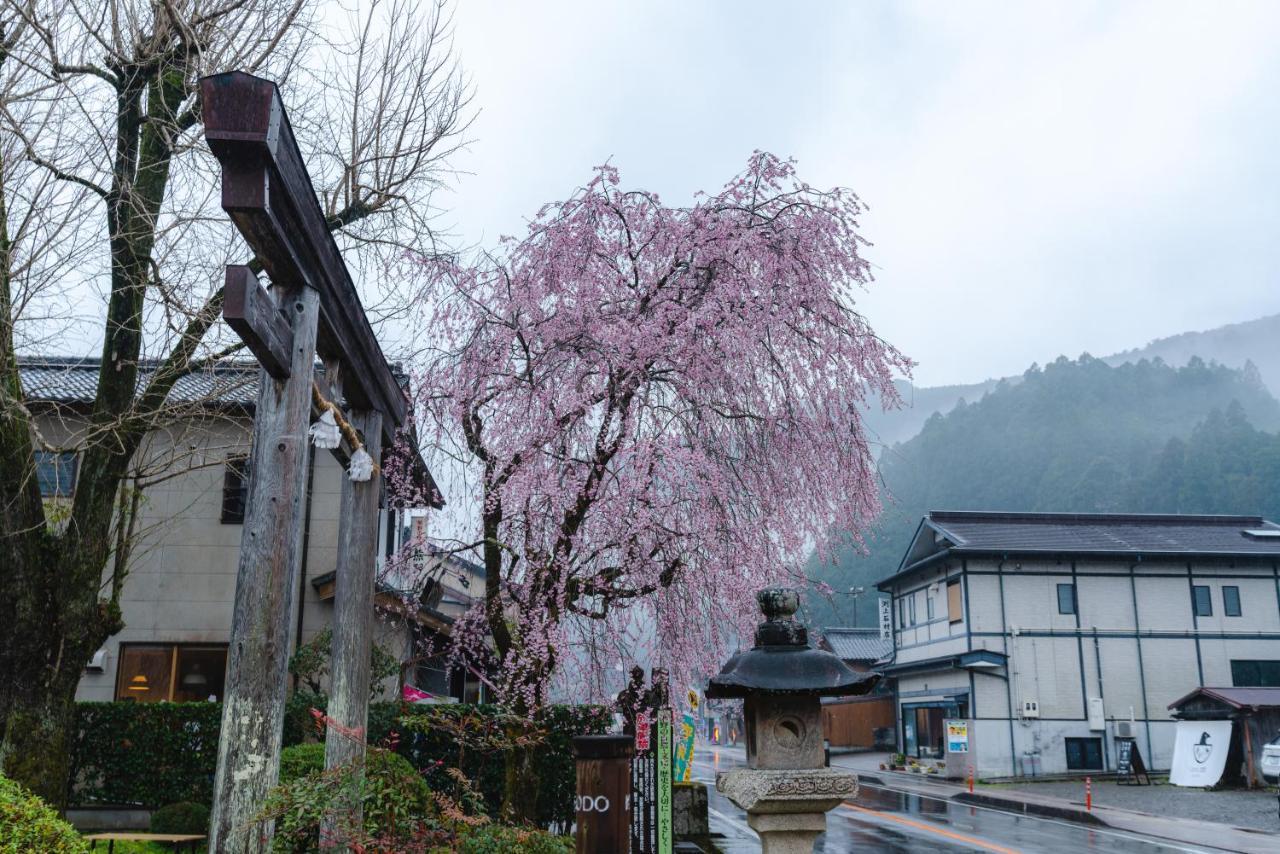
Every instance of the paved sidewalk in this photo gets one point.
(1175, 828)
(1255, 808)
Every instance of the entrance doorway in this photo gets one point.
(923, 732)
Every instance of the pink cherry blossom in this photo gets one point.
(660, 409)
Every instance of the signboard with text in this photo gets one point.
(957, 736)
(886, 619)
(663, 750)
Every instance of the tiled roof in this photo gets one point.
(58, 379)
(1096, 533)
(70, 380)
(1120, 536)
(857, 644)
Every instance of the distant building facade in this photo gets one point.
(865, 721)
(179, 593)
(1056, 633)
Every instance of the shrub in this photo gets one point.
(300, 724)
(29, 824)
(309, 664)
(301, 760)
(500, 839)
(396, 801)
(182, 817)
(476, 739)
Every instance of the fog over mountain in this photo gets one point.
(1234, 345)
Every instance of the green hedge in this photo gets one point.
(149, 754)
(152, 754)
(434, 749)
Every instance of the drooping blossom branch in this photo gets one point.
(660, 411)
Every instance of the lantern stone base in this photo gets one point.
(787, 809)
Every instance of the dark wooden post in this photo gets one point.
(353, 622)
(270, 551)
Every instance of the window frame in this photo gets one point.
(1227, 610)
(1084, 743)
(1196, 600)
(174, 650)
(1074, 603)
(928, 607)
(72, 463)
(239, 468)
(955, 605)
(1240, 668)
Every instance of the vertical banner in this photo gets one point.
(663, 750)
(644, 817)
(684, 749)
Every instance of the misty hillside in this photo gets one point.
(1233, 345)
(1076, 436)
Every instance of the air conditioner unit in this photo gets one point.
(1124, 729)
(1030, 709)
(97, 664)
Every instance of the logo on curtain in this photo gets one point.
(1203, 750)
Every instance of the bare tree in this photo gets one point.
(110, 231)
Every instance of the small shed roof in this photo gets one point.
(851, 644)
(1251, 699)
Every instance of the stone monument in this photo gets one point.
(785, 788)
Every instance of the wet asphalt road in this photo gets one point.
(881, 819)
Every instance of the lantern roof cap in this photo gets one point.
(782, 660)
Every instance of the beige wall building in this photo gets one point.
(179, 592)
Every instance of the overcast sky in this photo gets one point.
(1043, 178)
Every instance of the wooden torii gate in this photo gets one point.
(312, 309)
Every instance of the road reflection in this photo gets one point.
(882, 819)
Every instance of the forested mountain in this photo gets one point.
(1076, 436)
(1232, 345)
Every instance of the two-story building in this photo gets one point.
(1054, 633)
(179, 592)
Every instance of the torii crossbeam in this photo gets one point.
(313, 308)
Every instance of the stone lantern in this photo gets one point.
(785, 788)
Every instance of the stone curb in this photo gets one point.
(1017, 805)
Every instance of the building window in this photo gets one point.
(56, 473)
(955, 605)
(1255, 674)
(911, 609)
(1231, 601)
(1084, 754)
(1066, 598)
(180, 673)
(235, 490)
(928, 601)
(902, 613)
(1201, 601)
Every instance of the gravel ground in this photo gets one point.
(1238, 807)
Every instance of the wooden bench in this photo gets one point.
(174, 839)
